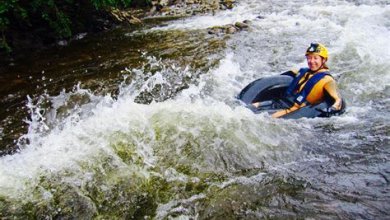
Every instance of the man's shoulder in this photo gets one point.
(328, 78)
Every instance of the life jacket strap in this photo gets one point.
(294, 84)
(300, 97)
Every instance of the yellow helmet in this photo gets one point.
(319, 49)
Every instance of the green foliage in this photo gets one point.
(110, 3)
(54, 17)
(5, 8)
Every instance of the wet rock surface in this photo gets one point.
(229, 28)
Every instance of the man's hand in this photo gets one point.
(328, 112)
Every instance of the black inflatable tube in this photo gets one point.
(271, 93)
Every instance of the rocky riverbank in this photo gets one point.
(23, 44)
(165, 9)
(171, 9)
(190, 7)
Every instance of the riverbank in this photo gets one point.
(26, 40)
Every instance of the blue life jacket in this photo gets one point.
(300, 97)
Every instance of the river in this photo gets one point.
(143, 123)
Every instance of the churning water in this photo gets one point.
(193, 152)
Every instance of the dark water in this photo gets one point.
(143, 124)
(96, 63)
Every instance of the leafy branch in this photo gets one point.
(55, 17)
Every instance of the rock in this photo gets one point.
(164, 2)
(62, 43)
(134, 20)
(228, 29)
(231, 29)
(158, 7)
(228, 3)
(211, 31)
(116, 14)
(241, 25)
(212, 4)
(122, 15)
(216, 30)
(189, 12)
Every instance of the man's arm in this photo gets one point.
(331, 89)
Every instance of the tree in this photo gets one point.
(51, 19)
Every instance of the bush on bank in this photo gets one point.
(24, 21)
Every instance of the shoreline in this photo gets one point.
(160, 10)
